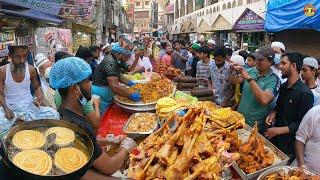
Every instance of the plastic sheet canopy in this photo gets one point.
(292, 14)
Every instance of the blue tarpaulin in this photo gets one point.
(292, 14)
(33, 14)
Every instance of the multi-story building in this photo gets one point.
(129, 7)
(233, 21)
(146, 17)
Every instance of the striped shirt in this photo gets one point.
(203, 71)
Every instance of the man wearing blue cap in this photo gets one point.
(107, 76)
(70, 76)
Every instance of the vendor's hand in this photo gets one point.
(128, 144)
(96, 100)
(135, 97)
(271, 118)
(272, 132)
(131, 83)
(8, 114)
(37, 101)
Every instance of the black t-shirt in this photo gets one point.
(107, 68)
(292, 104)
(74, 118)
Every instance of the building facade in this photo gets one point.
(232, 21)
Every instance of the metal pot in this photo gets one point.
(85, 138)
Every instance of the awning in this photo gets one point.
(203, 26)
(47, 6)
(221, 24)
(292, 14)
(13, 10)
(249, 21)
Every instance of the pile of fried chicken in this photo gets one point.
(151, 91)
(254, 156)
(296, 174)
(201, 146)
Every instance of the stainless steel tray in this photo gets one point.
(285, 169)
(280, 158)
(134, 109)
(116, 99)
(141, 133)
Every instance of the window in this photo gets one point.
(224, 7)
(234, 4)
(240, 2)
(229, 5)
(147, 3)
(214, 9)
(138, 4)
(249, 1)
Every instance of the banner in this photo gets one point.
(47, 6)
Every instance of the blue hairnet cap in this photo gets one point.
(117, 48)
(69, 71)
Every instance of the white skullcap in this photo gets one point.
(237, 59)
(158, 43)
(278, 45)
(106, 46)
(310, 61)
(211, 41)
(245, 44)
(40, 60)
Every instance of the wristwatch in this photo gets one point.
(250, 79)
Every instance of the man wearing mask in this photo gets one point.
(279, 49)
(260, 87)
(16, 100)
(294, 101)
(180, 56)
(220, 72)
(70, 77)
(107, 78)
(43, 65)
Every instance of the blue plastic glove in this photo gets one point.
(131, 83)
(135, 97)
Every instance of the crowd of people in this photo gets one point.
(276, 89)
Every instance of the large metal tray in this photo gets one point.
(141, 133)
(116, 98)
(285, 169)
(134, 109)
(280, 158)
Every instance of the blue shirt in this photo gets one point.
(178, 62)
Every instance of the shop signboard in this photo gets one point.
(249, 21)
(7, 38)
(49, 40)
(47, 6)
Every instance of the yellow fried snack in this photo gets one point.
(28, 139)
(33, 161)
(64, 136)
(70, 159)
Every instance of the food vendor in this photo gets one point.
(107, 77)
(71, 78)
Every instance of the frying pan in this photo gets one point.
(84, 137)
